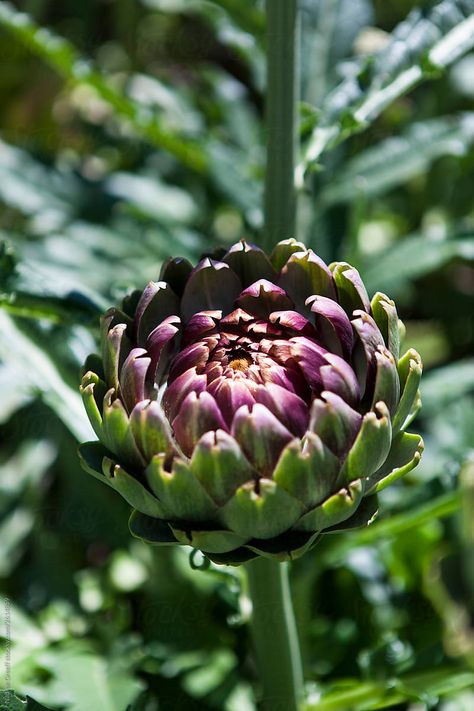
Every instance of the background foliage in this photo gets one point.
(132, 131)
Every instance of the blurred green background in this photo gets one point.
(131, 131)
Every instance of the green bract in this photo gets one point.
(252, 403)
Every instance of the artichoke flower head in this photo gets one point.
(250, 404)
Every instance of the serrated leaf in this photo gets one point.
(396, 160)
(422, 44)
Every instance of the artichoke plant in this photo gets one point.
(252, 403)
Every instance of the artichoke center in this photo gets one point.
(240, 362)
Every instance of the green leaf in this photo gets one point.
(447, 384)
(368, 696)
(423, 44)
(411, 259)
(153, 198)
(441, 507)
(90, 682)
(396, 160)
(40, 375)
(63, 57)
(10, 702)
(151, 530)
(250, 17)
(330, 29)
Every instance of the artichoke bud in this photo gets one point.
(249, 404)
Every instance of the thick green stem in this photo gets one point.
(274, 635)
(281, 120)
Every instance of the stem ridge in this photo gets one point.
(281, 120)
(274, 635)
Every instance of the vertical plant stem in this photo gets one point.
(273, 623)
(281, 120)
(274, 635)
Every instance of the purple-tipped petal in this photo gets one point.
(304, 275)
(236, 317)
(385, 315)
(220, 466)
(93, 391)
(194, 356)
(387, 382)
(212, 286)
(310, 358)
(284, 371)
(150, 429)
(115, 349)
(133, 375)
(199, 324)
(180, 388)
(338, 377)
(113, 317)
(176, 272)
(291, 410)
(335, 422)
(369, 338)
(230, 395)
(157, 303)
(161, 345)
(332, 325)
(249, 263)
(261, 436)
(263, 297)
(198, 414)
(293, 320)
(117, 433)
(351, 291)
(263, 327)
(283, 251)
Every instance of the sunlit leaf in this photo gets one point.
(412, 258)
(396, 160)
(420, 47)
(40, 375)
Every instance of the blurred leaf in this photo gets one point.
(152, 197)
(366, 696)
(32, 188)
(10, 702)
(20, 477)
(397, 160)
(202, 681)
(445, 385)
(450, 579)
(14, 395)
(412, 258)
(441, 507)
(421, 46)
(235, 182)
(7, 266)
(247, 15)
(64, 58)
(90, 682)
(29, 294)
(14, 528)
(40, 375)
(329, 30)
